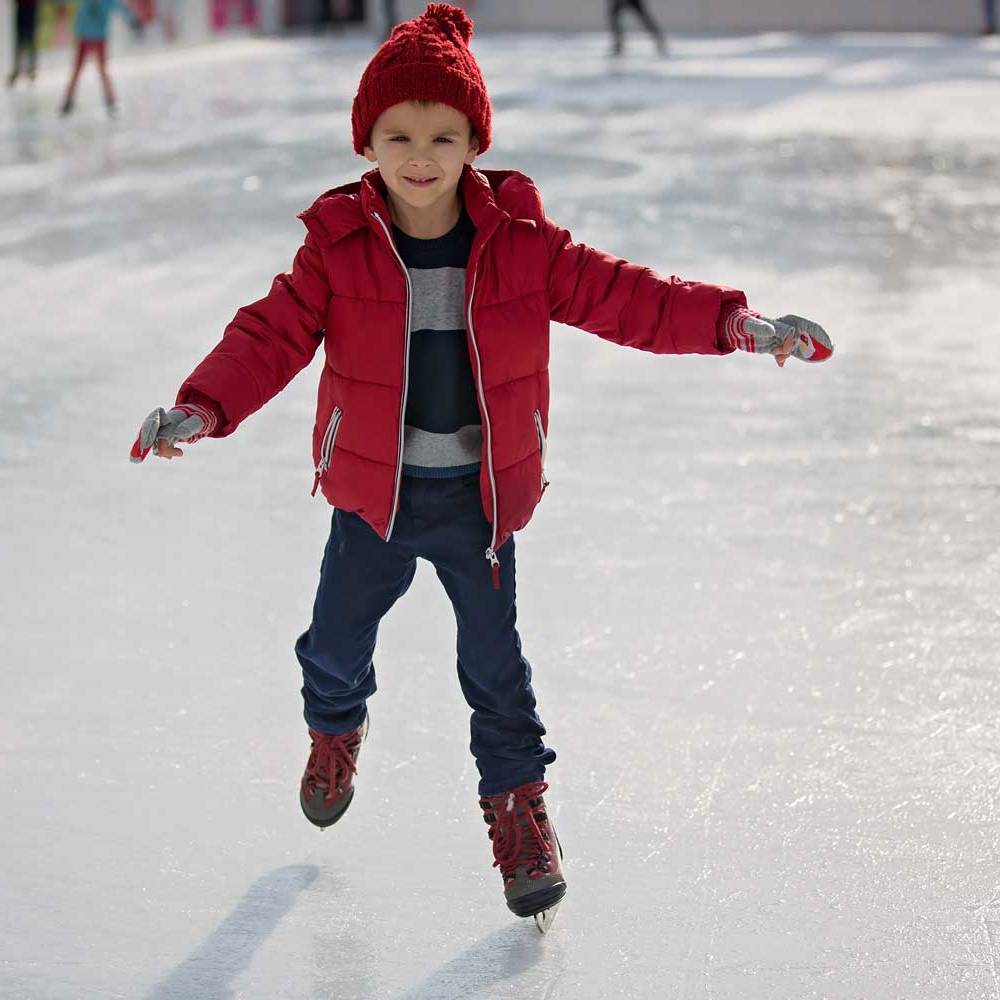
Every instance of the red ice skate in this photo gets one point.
(527, 852)
(328, 782)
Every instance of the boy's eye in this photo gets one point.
(398, 138)
(443, 138)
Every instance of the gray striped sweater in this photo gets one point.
(442, 435)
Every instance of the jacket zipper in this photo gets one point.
(406, 377)
(491, 554)
(542, 445)
(326, 446)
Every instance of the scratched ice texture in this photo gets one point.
(761, 604)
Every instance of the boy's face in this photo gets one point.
(420, 150)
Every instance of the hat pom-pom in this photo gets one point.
(448, 16)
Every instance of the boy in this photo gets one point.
(431, 286)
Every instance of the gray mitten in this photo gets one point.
(747, 331)
(187, 423)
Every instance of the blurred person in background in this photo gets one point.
(25, 43)
(90, 26)
(990, 10)
(615, 10)
(166, 14)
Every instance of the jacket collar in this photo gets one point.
(343, 210)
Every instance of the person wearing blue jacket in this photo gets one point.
(91, 29)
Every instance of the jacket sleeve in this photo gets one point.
(632, 305)
(266, 345)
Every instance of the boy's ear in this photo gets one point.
(473, 150)
(370, 155)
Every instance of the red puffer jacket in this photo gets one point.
(349, 290)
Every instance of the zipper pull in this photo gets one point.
(491, 556)
(315, 483)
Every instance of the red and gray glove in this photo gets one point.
(186, 423)
(745, 330)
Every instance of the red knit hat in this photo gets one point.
(426, 59)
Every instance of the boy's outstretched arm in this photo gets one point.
(267, 343)
(634, 306)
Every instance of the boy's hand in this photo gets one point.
(161, 430)
(785, 337)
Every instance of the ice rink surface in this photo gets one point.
(761, 604)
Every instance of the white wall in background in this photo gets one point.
(726, 15)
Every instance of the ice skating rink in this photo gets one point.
(762, 605)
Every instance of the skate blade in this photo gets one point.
(543, 920)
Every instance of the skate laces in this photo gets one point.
(331, 763)
(518, 837)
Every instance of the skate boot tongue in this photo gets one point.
(518, 831)
(332, 762)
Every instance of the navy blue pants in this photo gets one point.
(442, 521)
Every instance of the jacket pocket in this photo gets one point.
(326, 446)
(542, 445)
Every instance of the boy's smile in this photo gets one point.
(421, 150)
